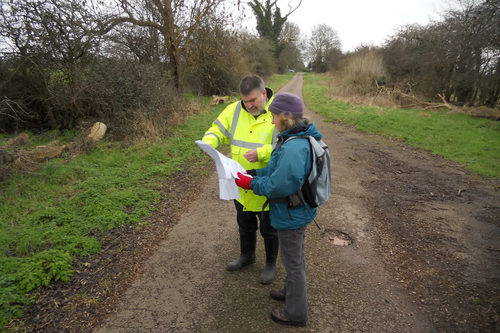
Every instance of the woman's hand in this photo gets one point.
(243, 181)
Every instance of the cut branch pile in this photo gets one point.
(14, 158)
(29, 160)
(415, 102)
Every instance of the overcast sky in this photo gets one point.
(361, 21)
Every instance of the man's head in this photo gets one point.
(253, 94)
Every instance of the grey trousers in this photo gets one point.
(293, 257)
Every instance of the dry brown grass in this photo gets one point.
(424, 114)
(155, 127)
(380, 99)
(147, 128)
(357, 81)
(484, 112)
(340, 92)
(360, 72)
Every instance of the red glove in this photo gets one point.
(244, 181)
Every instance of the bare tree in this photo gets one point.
(176, 20)
(143, 44)
(290, 33)
(322, 47)
(477, 80)
(291, 56)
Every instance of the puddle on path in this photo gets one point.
(338, 238)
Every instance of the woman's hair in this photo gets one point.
(288, 122)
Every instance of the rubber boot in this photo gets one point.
(247, 257)
(269, 273)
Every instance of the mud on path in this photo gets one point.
(424, 255)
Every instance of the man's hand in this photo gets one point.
(244, 181)
(251, 156)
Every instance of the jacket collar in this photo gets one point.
(295, 131)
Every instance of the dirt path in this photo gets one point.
(424, 258)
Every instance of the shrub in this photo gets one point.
(107, 90)
(362, 73)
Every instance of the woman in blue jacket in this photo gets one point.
(287, 170)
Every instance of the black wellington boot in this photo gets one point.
(247, 257)
(269, 273)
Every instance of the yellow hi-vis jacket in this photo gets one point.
(238, 127)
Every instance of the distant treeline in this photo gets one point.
(66, 61)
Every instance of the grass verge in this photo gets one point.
(470, 141)
(277, 81)
(61, 213)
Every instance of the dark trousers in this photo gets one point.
(248, 222)
(293, 257)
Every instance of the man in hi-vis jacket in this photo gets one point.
(247, 126)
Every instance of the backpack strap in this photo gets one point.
(267, 203)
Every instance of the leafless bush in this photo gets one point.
(124, 94)
(259, 58)
(214, 65)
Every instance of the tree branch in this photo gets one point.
(116, 21)
(291, 11)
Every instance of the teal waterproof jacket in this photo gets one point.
(287, 170)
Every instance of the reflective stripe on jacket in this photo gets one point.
(243, 131)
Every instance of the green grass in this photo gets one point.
(50, 218)
(277, 81)
(471, 141)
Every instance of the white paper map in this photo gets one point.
(227, 170)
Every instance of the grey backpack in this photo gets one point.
(316, 189)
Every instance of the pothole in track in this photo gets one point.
(337, 237)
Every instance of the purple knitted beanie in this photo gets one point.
(287, 103)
